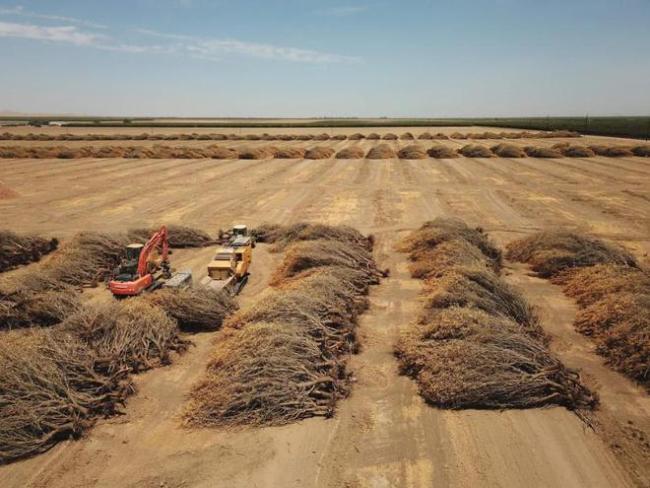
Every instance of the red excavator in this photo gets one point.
(146, 267)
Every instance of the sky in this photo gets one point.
(321, 58)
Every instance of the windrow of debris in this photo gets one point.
(50, 390)
(477, 342)
(284, 359)
(19, 249)
(381, 151)
(9, 136)
(611, 288)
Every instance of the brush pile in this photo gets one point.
(542, 152)
(356, 136)
(352, 152)
(339, 137)
(8, 136)
(475, 151)
(425, 136)
(382, 151)
(390, 137)
(283, 235)
(179, 236)
(611, 289)
(412, 151)
(573, 150)
(407, 136)
(290, 153)
(641, 151)
(612, 151)
(50, 390)
(195, 309)
(18, 249)
(442, 152)
(373, 136)
(552, 252)
(319, 152)
(477, 342)
(508, 151)
(256, 153)
(284, 359)
(132, 335)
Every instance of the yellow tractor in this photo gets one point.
(228, 270)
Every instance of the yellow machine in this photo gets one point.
(229, 267)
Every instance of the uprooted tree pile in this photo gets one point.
(611, 288)
(508, 151)
(18, 249)
(319, 152)
(475, 151)
(283, 235)
(412, 151)
(46, 294)
(50, 390)
(477, 342)
(382, 151)
(550, 253)
(132, 335)
(195, 309)
(179, 236)
(352, 152)
(442, 152)
(284, 359)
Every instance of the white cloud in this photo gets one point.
(20, 11)
(199, 48)
(215, 49)
(66, 34)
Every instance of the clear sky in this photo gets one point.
(326, 58)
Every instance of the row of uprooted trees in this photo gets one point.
(18, 249)
(9, 136)
(284, 358)
(611, 288)
(381, 151)
(65, 361)
(477, 342)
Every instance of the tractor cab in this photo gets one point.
(229, 266)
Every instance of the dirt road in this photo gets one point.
(383, 435)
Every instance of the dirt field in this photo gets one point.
(383, 435)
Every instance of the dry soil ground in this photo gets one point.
(383, 435)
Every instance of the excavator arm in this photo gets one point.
(159, 239)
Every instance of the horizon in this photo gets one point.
(290, 59)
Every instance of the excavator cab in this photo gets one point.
(128, 268)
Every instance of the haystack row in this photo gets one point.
(382, 151)
(284, 359)
(611, 288)
(477, 342)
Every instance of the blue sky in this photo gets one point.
(297, 58)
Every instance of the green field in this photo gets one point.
(636, 127)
